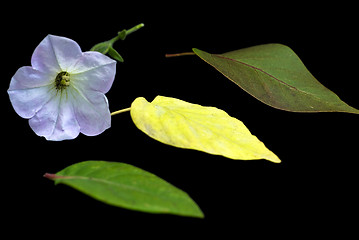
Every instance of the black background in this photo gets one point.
(313, 190)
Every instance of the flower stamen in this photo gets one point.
(62, 80)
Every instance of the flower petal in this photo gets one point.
(56, 120)
(62, 113)
(95, 71)
(55, 54)
(27, 77)
(29, 90)
(92, 111)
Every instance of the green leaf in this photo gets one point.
(114, 54)
(275, 75)
(122, 34)
(208, 129)
(126, 186)
(107, 46)
(102, 47)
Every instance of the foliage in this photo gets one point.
(275, 75)
(208, 129)
(62, 94)
(126, 186)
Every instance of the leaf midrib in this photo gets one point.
(217, 132)
(261, 70)
(278, 80)
(120, 185)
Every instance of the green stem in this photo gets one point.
(134, 29)
(120, 111)
(115, 39)
(103, 47)
(121, 35)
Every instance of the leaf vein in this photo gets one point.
(261, 70)
(117, 184)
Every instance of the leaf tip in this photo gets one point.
(195, 214)
(273, 158)
(200, 215)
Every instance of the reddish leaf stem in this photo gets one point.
(53, 176)
(179, 54)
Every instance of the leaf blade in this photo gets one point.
(276, 76)
(192, 126)
(129, 187)
(115, 55)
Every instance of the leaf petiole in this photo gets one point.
(53, 176)
(179, 54)
(120, 111)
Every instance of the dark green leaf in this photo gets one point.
(275, 75)
(126, 186)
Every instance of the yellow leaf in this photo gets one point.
(208, 129)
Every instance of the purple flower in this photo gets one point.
(63, 92)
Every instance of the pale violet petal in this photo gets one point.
(43, 123)
(56, 120)
(55, 54)
(67, 126)
(27, 77)
(26, 102)
(29, 90)
(92, 111)
(94, 71)
(59, 114)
